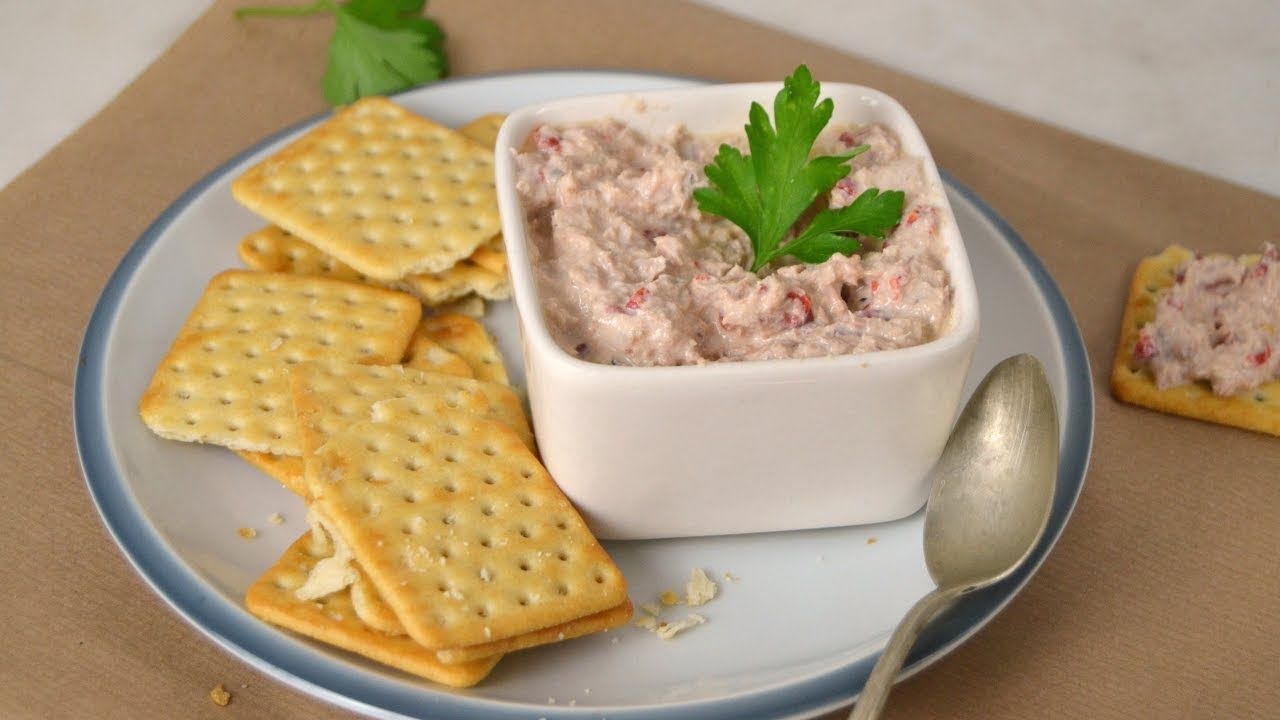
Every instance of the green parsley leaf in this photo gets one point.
(871, 213)
(378, 46)
(766, 192)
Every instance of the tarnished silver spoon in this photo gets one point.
(990, 503)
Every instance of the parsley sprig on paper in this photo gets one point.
(766, 192)
(378, 46)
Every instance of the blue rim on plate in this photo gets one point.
(243, 636)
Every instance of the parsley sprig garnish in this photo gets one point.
(378, 46)
(766, 192)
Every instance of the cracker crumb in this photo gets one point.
(275, 518)
(700, 589)
(551, 701)
(614, 640)
(572, 703)
(666, 631)
(871, 540)
(247, 533)
(731, 577)
(219, 695)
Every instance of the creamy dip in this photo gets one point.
(630, 272)
(1219, 322)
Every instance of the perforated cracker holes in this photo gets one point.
(274, 249)
(461, 529)
(223, 380)
(381, 189)
(329, 396)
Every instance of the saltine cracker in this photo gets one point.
(223, 379)
(388, 192)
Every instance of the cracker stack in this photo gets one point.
(458, 537)
(332, 619)
(378, 194)
(438, 540)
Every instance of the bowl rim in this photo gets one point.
(537, 338)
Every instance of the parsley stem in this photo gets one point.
(318, 6)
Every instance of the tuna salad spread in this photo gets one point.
(1219, 322)
(630, 272)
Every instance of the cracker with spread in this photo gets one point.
(1199, 337)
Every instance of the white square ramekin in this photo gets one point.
(737, 447)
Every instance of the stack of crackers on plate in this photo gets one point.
(438, 541)
(379, 195)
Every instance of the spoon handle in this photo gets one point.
(876, 692)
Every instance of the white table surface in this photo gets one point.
(1193, 82)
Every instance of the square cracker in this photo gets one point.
(328, 396)
(274, 249)
(467, 338)
(332, 619)
(1257, 409)
(459, 527)
(223, 379)
(383, 190)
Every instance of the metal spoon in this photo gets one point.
(989, 505)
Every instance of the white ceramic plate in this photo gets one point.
(796, 635)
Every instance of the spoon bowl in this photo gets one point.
(994, 482)
(992, 493)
